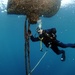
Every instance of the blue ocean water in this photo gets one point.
(12, 44)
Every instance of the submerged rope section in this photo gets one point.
(39, 62)
(27, 47)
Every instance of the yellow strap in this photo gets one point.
(41, 38)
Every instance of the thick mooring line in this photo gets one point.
(27, 48)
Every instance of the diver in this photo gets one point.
(48, 37)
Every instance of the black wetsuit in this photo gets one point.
(48, 37)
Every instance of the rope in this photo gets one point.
(27, 48)
(38, 62)
(28, 44)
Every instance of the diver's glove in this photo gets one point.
(29, 33)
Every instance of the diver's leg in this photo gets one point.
(60, 44)
(63, 55)
(57, 51)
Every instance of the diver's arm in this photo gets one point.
(34, 39)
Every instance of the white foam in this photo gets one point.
(66, 3)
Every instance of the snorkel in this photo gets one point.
(38, 29)
(39, 23)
